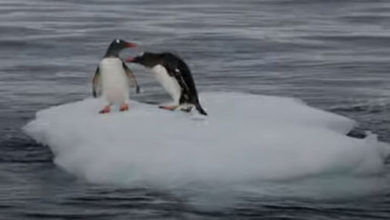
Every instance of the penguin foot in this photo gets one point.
(186, 108)
(170, 108)
(124, 107)
(105, 110)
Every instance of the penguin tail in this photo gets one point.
(200, 109)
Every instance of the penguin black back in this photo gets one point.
(179, 68)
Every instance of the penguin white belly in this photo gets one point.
(168, 82)
(114, 81)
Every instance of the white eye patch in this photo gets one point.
(117, 41)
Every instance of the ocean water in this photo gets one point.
(333, 55)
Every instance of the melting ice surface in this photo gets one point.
(246, 138)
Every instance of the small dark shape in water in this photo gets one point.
(357, 133)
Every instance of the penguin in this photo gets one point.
(174, 76)
(112, 78)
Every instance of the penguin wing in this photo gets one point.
(183, 76)
(97, 84)
(189, 93)
(131, 77)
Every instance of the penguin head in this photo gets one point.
(117, 46)
(147, 59)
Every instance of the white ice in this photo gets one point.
(245, 138)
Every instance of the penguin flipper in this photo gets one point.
(97, 84)
(132, 79)
(169, 108)
(175, 72)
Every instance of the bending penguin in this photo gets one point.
(175, 76)
(112, 77)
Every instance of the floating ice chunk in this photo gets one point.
(244, 138)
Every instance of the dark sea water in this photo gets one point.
(334, 55)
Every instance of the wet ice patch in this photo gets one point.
(245, 138)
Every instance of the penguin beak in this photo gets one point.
(130, 45)
(130, 59)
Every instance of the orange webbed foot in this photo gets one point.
(170, 108)
(105, 110)
(124, 107)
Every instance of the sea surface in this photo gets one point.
(334, 55)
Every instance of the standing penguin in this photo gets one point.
(175, 76)
(112, 77)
